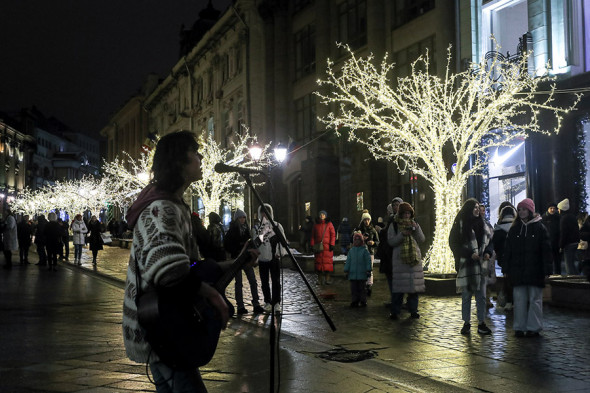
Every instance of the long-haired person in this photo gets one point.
(163, 249)
(472, 249)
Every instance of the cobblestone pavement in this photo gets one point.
(408, 350)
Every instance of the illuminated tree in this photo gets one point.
(217, 187)
(424, 123)
(123, 184)
(72, 196)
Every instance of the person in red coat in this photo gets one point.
(323, 232)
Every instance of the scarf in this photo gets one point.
(408, 253)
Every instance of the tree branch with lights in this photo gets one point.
(423, 122)
(215, 187)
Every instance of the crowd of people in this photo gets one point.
(51, 236)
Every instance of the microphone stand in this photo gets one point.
(284, 244)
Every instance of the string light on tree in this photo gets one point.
(215, 187)
(425, 123)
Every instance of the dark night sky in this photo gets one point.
(80, 60)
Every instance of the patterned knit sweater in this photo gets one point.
(164, 247)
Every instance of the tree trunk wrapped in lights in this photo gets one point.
(420, 120)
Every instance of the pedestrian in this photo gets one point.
(407, 271)
(551, 221)
(323, 240)
(95, 241)
(505, 219)
(269, 261)
(24, 231)
(472, 249)
(384, 250)
(357, 269)
(65, 239)
(162, 252)
(9, 238)
(526, 253)
(569, 236)
(40, 240)
(343, 235)
(79, 231)
(216, 235)
(582, 244)
(236, 237)
(491, 277)
(371, 238)
(585, 236)
(53, 244)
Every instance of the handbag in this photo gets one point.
(319, 247)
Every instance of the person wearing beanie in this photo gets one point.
(371, 239)
(527, 252)
(569, 236)
(501, 228)
(323, 236)
(357, 268)
(384, 250)
(406, 261)
(472, 250)
(551, 220)
(236, 237)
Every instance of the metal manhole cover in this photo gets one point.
(344, 355)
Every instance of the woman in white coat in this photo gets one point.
(79, 231)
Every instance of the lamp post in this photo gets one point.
(278, 157)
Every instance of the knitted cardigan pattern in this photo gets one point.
(164, 247)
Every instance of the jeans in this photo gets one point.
(569, 254)
(253, 287)
(78, 251)
(480, 304)
(176, 381)
(397, 299)
(528, 308)
(272, 267)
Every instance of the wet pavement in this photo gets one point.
(61, 332)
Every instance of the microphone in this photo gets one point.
(220, 167)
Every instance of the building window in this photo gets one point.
(305, 51)
(352, 26)
(404, 58)
(305, 117)
(298, 5)
(405, 11)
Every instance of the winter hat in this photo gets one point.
(358, 239)
(397, 199)
(552, 204)
(507, 212)
(322, 211)
(365, 216)
(405, 207)
(239, 213)
(564, 205)
(528, 204)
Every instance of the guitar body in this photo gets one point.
(184, 331)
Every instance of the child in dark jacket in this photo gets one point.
(358, 269)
